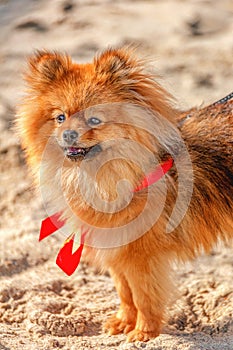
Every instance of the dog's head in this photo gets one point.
(58, 91)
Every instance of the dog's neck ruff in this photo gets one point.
(68, 260)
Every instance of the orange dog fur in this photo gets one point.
(140, 269)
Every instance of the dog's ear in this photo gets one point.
(46, 67)
(117, 62)
(133, 81)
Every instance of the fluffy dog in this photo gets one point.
(84, 128)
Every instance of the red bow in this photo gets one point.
(66, 259)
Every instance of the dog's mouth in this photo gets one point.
(79, 153)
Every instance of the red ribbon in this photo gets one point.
(66, 259)
(51, 225)
(155, 175)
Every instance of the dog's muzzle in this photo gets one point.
(73, 151)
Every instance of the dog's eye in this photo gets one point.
(93, 121)
(61, 118)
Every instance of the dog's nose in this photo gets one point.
(70, 136)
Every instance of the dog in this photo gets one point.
(84, 128)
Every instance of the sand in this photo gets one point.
(190, 45)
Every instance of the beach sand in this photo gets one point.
(190, 46)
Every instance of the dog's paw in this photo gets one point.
(138, 335)
(114, 325)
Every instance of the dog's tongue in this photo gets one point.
(74, 150)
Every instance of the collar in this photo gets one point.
(155, 175)
(68, 260)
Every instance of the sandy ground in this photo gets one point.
(191, 46)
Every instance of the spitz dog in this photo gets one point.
(152, 183)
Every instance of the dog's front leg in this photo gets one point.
(150, 287)
(125, 319)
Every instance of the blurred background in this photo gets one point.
(190, 46)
